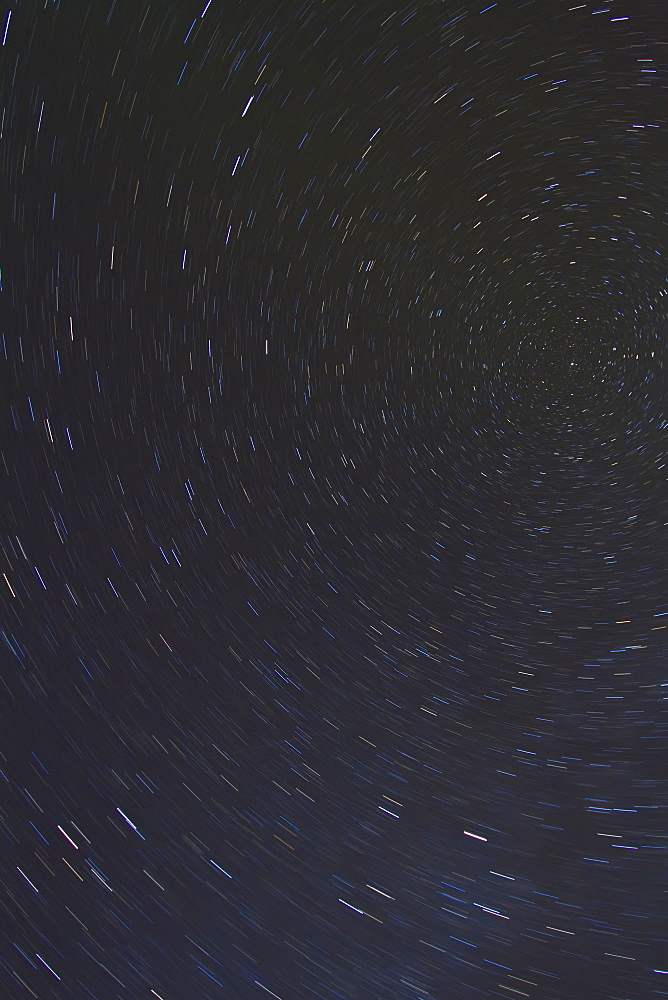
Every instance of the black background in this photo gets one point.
(334, 554)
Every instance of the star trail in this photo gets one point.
(334, 561)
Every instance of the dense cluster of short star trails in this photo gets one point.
(334, 565)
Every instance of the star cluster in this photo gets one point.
(334, 587)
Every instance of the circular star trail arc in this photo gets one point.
(333, 537)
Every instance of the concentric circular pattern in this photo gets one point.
(334, 553)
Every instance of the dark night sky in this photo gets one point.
(333, 523)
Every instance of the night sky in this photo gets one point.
(334, 564)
